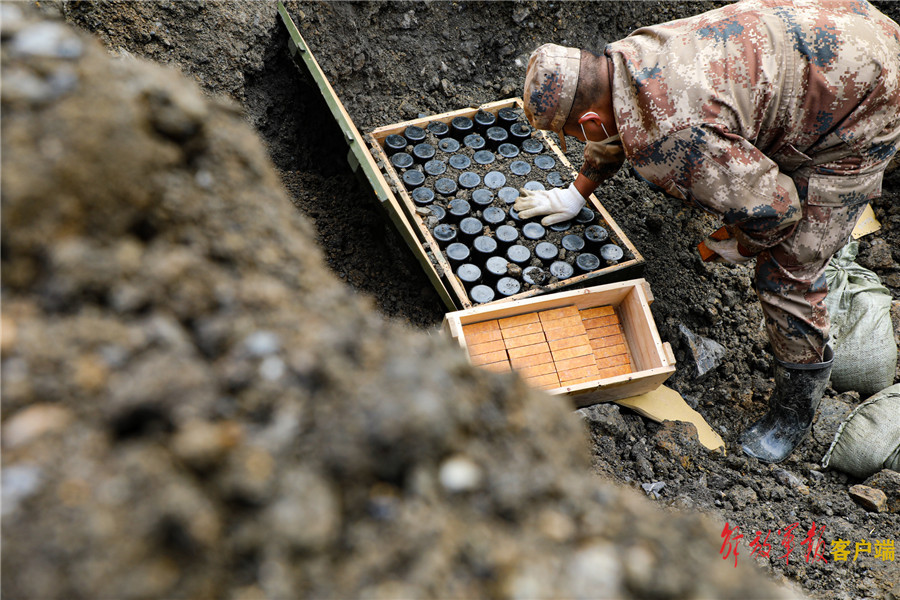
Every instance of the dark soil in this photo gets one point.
(392, 61)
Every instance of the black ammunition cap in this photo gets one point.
(482, 197)
(493, 216)
(483, 157)
(595, 234)
(534, 275)
(423, 152)
(413, 179)
(460, 161)
(469, 274)
(518, 254)
(457, 253)
(444, 233)
(496, 267)
(468, 180)
(533, 146)
(533, 231)
(508, 195)
(414, 134)
(506, 235)
(438, 128)
(507, 286)
(481, 294)
(507, 116)
(435, 167)
(495, 180)
(423, 196)
(496, 136)
(445, 186)
(448, 145)
(458, 210)
(585, 216)
(573, 243)
(402, 160)
(544, 162)
(508, 150)
(394, 143)
(474, 141)
(460, 127)
(484, 120)
(561, 270)
(546, 251)
(520, 131)
(611, 253)
(587, 262)
(519, 167)
(470, 228)
(484, 245)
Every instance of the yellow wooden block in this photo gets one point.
(489, 357)
(485, 348)
(564, 332)
(480, 327)
(524, 362)
(558, 313)
(524, 340)
(586, 360)
(604, 362)
(518, 320)
(601, 322)
(569, 342)
(579, 373)
(597, 311)
(607, 341)
(482, 337)
(541, 369)
(565, 353)
(599, 332)
(547, 382)
(529, 350)
(615, 371)
(498, 367)
(520, 330)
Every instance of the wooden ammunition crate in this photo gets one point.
(595, 344)
(439, 270)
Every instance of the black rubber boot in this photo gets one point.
(798, 391)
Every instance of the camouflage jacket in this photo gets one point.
(726, 107)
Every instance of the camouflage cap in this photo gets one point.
(550, 83)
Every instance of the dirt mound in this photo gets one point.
(194, 406)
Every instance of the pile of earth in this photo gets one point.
(194, 406)
(390, 61)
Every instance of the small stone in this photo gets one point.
(34, 421)
(788, 479)
(676, 437)
(48, 40)
(741, 496)
(459, 474)
(888, 481)
(201, 444)
(262, 343)
(18, 483)
(869, 498)
(605, 419)
(652, 489)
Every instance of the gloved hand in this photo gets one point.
(727, 250)
(560, 205)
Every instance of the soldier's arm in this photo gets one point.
(726, 175)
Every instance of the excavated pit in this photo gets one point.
(407, 60)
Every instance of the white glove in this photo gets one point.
(727, 250)
(560, 205)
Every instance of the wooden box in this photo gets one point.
(595, 344)
(439, 270)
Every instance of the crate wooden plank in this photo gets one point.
(489, 357)
(528, 350)
(524, 362)
(524, 340)
(486, 348)
(644, 343)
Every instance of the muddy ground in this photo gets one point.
(394, 61)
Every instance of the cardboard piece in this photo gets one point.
(866, 224)
(665, 404)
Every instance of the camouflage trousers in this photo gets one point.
(790, 277)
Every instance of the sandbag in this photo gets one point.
(862, 336)
(869, 438)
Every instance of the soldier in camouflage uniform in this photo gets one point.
(779, 117)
